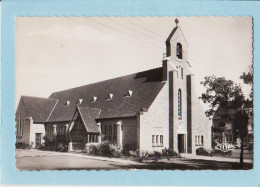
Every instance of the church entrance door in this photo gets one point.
(182, 143)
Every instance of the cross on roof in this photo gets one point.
(176, 21)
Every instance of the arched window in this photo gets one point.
(179, 103)
(179, 51)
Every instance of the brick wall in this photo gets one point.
(61, 127)
(155, 122)
(20, 114)
(129, 129)
(201, 125)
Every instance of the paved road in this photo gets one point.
(40, 160)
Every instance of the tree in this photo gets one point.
(223, 96)
(248, 78)
(240, 129)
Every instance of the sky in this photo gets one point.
(58, 53)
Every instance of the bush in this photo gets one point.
(157, 154)
(215, 152)
(20, 145)
(169, 152)
(55, 143)
(117, 153)
(104, 149)
(128, 149)
(203, 151)
(93, 150)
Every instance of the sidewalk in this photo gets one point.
(214, 158)
(37, 153)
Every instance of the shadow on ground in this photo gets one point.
(191, 164)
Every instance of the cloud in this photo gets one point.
(81, 32)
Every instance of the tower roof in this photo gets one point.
(171, 34)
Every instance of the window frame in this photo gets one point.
(179, 103)
(153, 140)
(161, 139)
(179, 51)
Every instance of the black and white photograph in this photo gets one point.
(123, 93)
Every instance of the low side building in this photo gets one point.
(225, 136)
(31, 114)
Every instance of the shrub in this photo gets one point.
(20, 145)
(117, 153)
(202, 151)
(104, 149)
(215, 152)
(128, 149)
(93, 150)
(169, 152)
(157, 154)
(55, 143)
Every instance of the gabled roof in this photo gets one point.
(173, 32)
(38, 108)
(145, 86)
(88, 116)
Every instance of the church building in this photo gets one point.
(149, 110)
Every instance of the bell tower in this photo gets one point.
(176, 44)
(176, 51)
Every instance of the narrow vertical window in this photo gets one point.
(202, 141)
(199, 140)
(179, 103)
(105, 132)
(196, 140)
(110, 132)
(18, 127)
(179, 51)
(115, 132)
(153, 139)
(16, 132)
(181, 73)
(157, 139)
(161, 139)
(22, 127)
